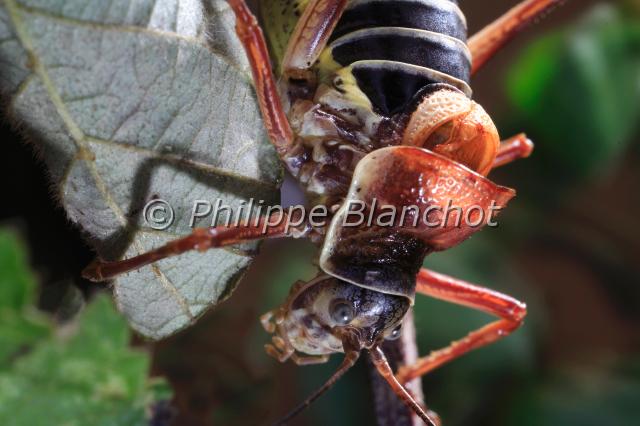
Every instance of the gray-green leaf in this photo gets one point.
(131, 100)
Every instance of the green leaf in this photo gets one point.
(83, 374)
(579, 91)
(17, 285)
(92, 377)
(131, 101)
(20, 325)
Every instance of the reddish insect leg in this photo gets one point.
(275, 119)
(382, 365)
(201, 239)
(510, 311)
(494, 36)
(514, 148)
(310, 36)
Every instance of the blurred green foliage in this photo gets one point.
(584, 399)
(20, 324)
(82, 373)
(578, 90)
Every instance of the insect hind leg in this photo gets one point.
(514, 148)
(275, 119)
(510, 311)
(494, 36)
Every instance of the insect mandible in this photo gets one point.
(373, 103)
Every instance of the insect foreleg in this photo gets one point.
(201, 239)
(275, 119)
(514, 148)
(382, 365)
(494, 36)
(510, 310)
(309, 360)
(311, 35)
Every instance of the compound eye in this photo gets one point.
(395, 333)
(342, 312)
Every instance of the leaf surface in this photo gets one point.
(128, 101)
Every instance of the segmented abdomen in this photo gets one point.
(393, 48)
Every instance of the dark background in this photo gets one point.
(569, 245)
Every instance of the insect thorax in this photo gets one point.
(380, 58)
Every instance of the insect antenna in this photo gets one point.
(349, 361)
(382, 365)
